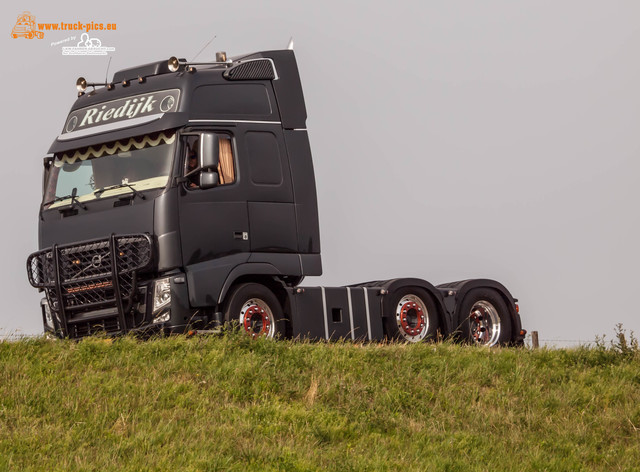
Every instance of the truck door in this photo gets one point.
(214, 222)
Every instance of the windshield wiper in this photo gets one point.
(136, 193)
(74, 199)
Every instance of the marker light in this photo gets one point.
(221, 56)
(111, 86)
(81, 84)
(125, 83)
(141, 80)
(173, 64)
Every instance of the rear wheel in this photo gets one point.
(484, 318)
(411, 316)
(256, 310)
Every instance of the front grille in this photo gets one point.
(81, 278)
(85, 261)
(87, 328)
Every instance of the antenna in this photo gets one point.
(205, 47)
(290, 46)
(106, 75)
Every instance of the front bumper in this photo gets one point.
(93, 285)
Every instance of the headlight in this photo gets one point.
(161, 294)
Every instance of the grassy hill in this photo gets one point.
(229, 403)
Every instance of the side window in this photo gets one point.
(191, 161)
(226, 166)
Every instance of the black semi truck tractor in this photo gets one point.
(181, 196)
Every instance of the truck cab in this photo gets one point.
(120, 193)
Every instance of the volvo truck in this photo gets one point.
(181, 196)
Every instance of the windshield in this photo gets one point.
(135, 164)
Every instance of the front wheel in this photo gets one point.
(411, 316)
(484, 318)
(256, 310)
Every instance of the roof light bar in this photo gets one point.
(82, 84)
(174, 63)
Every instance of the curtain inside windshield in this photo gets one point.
(143, 162)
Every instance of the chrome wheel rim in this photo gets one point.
(412, 318)
(484, 323)
(256, 318)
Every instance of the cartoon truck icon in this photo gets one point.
(26, 27)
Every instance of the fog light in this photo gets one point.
(161, 294)
(162, 318)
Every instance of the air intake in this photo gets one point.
(254, 69)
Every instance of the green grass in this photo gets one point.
(229, 403)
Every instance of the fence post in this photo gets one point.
(534, 340)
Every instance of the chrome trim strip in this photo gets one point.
(237, 121)
(366, 304)
(141, 120)
(353, 334)
(324, 309)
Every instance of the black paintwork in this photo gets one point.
(330, 315)
(264, 224)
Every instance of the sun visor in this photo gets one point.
(121, 118)
(131, 129)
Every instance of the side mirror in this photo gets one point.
(208, 179)
(209, 151)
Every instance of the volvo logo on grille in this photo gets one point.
(96, 261)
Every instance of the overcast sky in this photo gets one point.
(451, 139)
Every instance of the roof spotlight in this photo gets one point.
(173, 64)
(81, 84)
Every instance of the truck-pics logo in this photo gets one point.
(25, 27)
(163, 101)
(87, 46)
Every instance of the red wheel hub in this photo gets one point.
(255, 316)
(412, 319)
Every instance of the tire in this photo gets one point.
(411, 316)
(484, 318)
(256, 310)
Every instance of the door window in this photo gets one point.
(226, 165)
